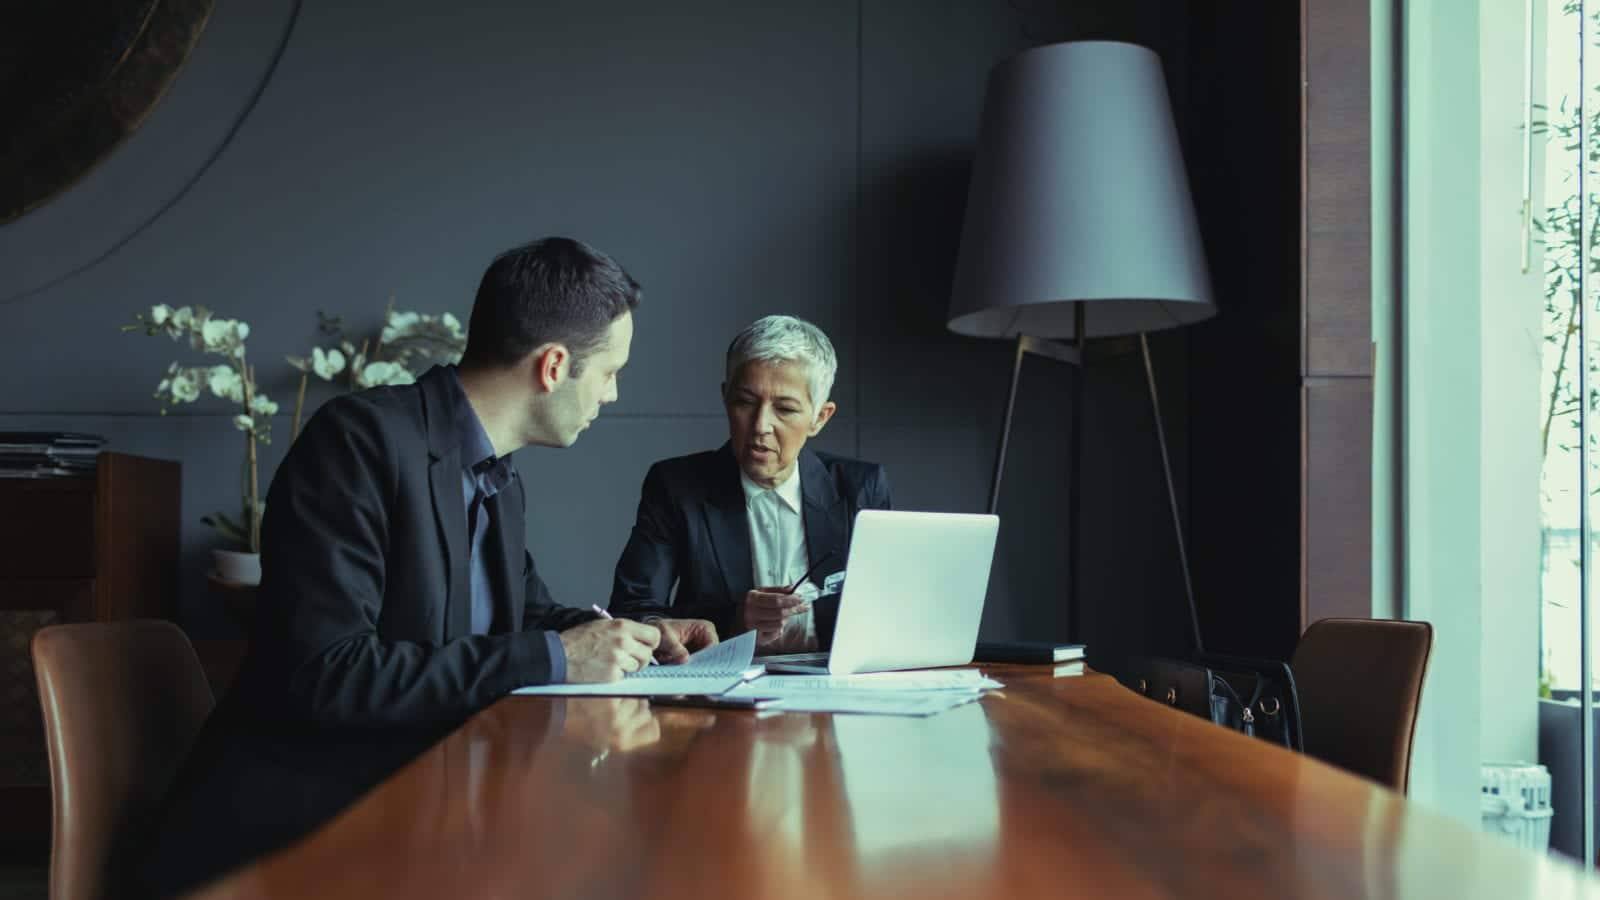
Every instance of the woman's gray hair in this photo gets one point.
(779, 339)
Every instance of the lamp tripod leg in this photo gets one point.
(1074, 493)
(1005, 429)
(1172, 493)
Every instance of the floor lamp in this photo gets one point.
(1079, 224)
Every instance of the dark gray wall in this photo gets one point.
(739, 159)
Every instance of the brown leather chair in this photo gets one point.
(122, 703)
(1360, 684)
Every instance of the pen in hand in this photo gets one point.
(606, 615)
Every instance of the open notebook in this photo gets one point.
(711, 671)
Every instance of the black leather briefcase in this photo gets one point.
(1252, 696)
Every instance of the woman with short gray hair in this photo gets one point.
(735, 528)
(778, 339)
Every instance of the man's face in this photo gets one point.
(770, 417)
(577, 401)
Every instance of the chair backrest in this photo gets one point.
(1360, 684)
(122, 703)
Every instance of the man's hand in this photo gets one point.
(766, 609)
(681, 637)
(611, 723)
(607, 649)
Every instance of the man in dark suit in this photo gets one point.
(396, 589)
(733, 528)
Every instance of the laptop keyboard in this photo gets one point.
(803, 659)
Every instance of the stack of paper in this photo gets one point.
(917, 693)
(725, 669)
(48, 454)
(711, 671)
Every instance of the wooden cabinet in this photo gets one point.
(95, 548)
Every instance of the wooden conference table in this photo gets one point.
(1053, 787)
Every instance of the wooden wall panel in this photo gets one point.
(1336, 453)
(1337, 529)
(1337, 112)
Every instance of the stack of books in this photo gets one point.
(1068, 659)
(48, 454)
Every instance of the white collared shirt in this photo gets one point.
(778, 549)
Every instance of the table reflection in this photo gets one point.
(1051, 787)
(919, 784)
(247, 791)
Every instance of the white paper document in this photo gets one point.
(957, 681)
(730, 656)
(711, 671)
(916, 693)
(876, 703)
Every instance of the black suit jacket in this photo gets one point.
(364, 609)
(361, 636)
(693, 531)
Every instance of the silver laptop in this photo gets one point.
(913, 594)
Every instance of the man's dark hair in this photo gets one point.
(554, 290)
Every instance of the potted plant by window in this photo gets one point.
(233, 381)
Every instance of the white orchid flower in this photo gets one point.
(226, 384)
(400, 325)
(244, 423)
(197, 328)
(159, 314)
(383, 372)
(179, 322)
(186, 386)
(261, 406)
(327, 364)
(452, 325)
(216, 335)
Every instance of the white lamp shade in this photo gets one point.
(1078, 195)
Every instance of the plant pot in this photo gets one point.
(240, 568)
